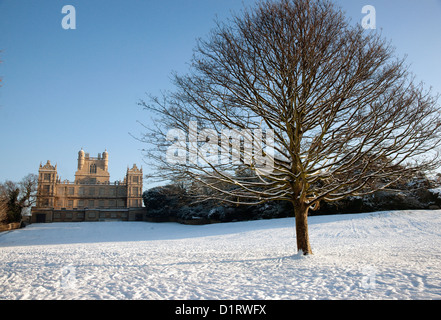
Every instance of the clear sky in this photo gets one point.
(64, 90)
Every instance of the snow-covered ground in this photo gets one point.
(386, 255)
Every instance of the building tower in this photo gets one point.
(47, 180)
(134, 187)
(92, 170)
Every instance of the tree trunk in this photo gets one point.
(302, 234)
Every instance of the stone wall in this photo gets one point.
(10, 226)
(87, 215)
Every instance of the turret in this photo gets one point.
(81, 157)
(106, 160)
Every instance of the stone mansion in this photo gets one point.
(91, 197)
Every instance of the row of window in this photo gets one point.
(136, 203)
(92, 191)
(91, 204)
(90, 215)
(51, 176)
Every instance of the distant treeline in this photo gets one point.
(174, 202)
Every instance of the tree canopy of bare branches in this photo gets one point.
(328, 105)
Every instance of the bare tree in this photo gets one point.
(333, 110)
(28, 190)
(16, 196)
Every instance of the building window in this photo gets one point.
(101, 203)
(93, 168)
(135, 179)
(91, 203)
(47, 177)
(46, 189)
(91, 191)
(71, 191)
(70, 203)
(81, 203)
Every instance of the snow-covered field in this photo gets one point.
(386, 255)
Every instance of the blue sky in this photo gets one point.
(64, 90)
